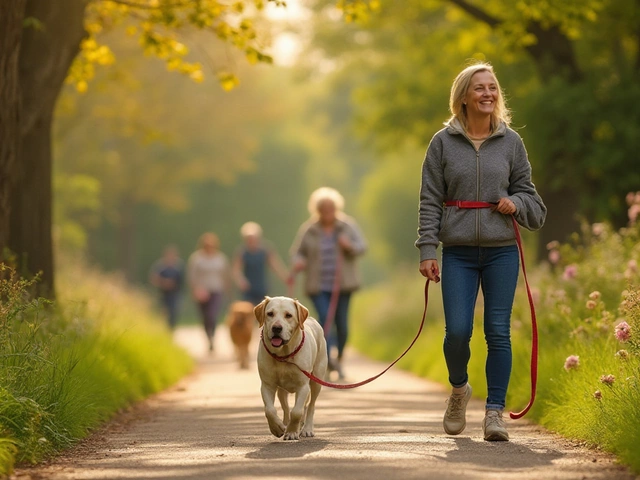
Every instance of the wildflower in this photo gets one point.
(565, 310)
(608, 379)
(622, 354)
(595, 295)
(634, 211)
(597, 229)
(554, 257)
(623, 332)
(591, 304)
(630, 198)
(554, 245)
(597, 395)
(570, 272)
(572, 362)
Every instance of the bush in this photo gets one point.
(67, 367)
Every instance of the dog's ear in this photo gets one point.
(303, 313)
(258, 311)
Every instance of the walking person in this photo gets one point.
(208, 277)
(326, 248)
(251, 261)
(167, 275)
(476, 157)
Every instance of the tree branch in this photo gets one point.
(143, 6)
(476, 12)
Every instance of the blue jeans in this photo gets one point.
(171, 304)
(321, 302)
(464, 271)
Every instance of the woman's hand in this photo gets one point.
(430, 269)
(505, 206)
(345, 243)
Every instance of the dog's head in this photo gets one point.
(281, 318)
(241, 314)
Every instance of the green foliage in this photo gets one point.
(157, 24)
(589, 287)
(68, 367)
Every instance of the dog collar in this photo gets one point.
(283, 358)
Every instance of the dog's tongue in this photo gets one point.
(276, 341)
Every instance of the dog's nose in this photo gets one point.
(277, 329)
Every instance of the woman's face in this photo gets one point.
(252, 241)
(209, 244)
(482, 94)
(327, 212)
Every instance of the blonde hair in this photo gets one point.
(209, 236)
(250, 229)
(501, 112)
(324, 194)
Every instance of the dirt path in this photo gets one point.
(212, 426)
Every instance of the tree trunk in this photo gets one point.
(45, 56)
(11, 18)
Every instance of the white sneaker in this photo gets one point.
(494, 426)
(455, 418)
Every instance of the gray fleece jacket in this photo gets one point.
(454, 170)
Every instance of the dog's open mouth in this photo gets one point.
(277, 342)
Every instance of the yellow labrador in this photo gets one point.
(285, 322)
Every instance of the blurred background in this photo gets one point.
(145, 158)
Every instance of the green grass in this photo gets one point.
(385, 319)
(68, 367)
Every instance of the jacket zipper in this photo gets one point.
(478, 194)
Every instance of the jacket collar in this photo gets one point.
(454, 127)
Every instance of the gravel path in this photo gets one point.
(212, 426)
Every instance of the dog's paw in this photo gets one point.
(277, 428)
(291, 436)
(307, 433)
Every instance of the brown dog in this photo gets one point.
(241, 321)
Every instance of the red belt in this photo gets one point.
(534, 324)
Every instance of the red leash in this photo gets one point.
(346, 386)
(534, 323)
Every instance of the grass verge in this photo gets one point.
(67, 367)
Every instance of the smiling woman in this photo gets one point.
(478, 158)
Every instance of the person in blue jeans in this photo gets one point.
(251, 262)
(477, 158)
(167, 275)
(326, 249)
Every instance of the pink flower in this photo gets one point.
(608, 379)
(630, 198)
(632, 266)
(597, 229)
(553, 245)
(597, 395)
(554, 257)
(623, 332)
(634, 211)
(572, 362)
(570, 272)
(591, 304)
(595, 295)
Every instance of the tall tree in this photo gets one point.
(11, 18)
(45, 55)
